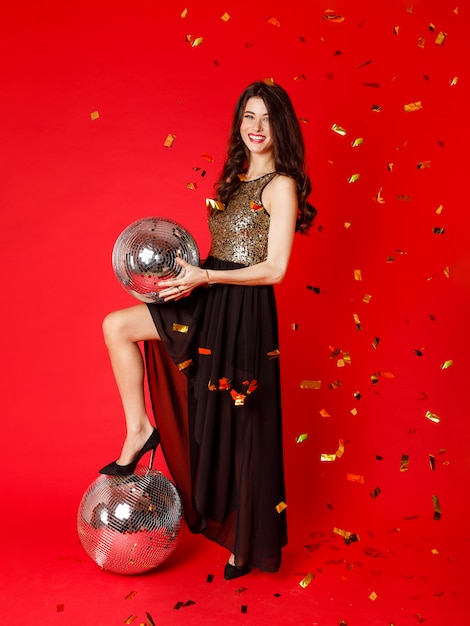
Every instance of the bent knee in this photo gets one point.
(114, 327)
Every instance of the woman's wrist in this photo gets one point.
(208, 278)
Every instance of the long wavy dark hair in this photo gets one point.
(288, 148)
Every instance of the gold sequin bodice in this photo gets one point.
(240, 231)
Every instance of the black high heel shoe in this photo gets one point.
(113, 469)
(232, 571)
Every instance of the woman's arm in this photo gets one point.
(280, 201)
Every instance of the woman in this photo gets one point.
(220, 425)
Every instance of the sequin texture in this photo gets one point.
(240, 233)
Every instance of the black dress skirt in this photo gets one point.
(215, 389)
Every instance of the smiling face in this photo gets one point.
(255, 129)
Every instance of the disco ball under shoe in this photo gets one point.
(146, 252)
(130, 524)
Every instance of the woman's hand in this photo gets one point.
(191, 277)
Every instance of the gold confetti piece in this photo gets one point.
(439, 209)
(269, 80)
(432, 462)
(131, 595)
(194, 41)
(274, 21)
(354, 178)
(440, 38)
(423, 165)
(390, 167)
(357, 395)
(341, 532)
(376, 108)
(305, 582)
(355, 478)
(94, 115)
(357, 142)
(438, 231)
(324, 413)
(214, 205)
(184, 364)
(373, 596)
(421, 42)
(304, 120)
(331, 16)
(367, 298)
(357, 275)
(338, 130)
(404, 463)
(225, 17)
(310, 384)
(357, 321)
(396, 30)
(413, 106)
(281, 507)
(447, 364)
(454, 81)
(374, 379)
(205, 351)
(347, 225)
(375, 493)
(130, 619)
(294, 326)
(169, 140)
(340, 450)
(386, 374)
(327, 458)
(434, 551)
(301, 438)
(390, 259)
(431, 27)
(184, 13)
(274, 354)
(432, 417)
(180, 328)
(300, 78)
(191, 186)
(437, 508)
(353, 411)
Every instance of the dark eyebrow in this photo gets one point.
(255, 113)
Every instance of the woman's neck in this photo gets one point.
(259, 166)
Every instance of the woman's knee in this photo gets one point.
(113, 327)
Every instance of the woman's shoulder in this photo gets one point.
(283, 182)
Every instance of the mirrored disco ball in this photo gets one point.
(131, 524)
(146, 252)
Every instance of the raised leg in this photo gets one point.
(122, 331)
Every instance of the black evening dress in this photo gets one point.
(215, 390)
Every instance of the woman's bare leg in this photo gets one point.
(122, 331)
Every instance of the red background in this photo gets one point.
(70, 184)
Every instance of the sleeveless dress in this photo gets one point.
(214, 383)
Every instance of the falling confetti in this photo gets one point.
(305, 582)
(437, 508)
(446, 364)
(432, 417)
(169, 141)
(310, 384)
(281, 507)
(354, 178)
(94, 115)
(413, 106)
(301, 438)
(339, 130)
(274, 21)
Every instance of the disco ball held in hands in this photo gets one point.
(145, 253)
